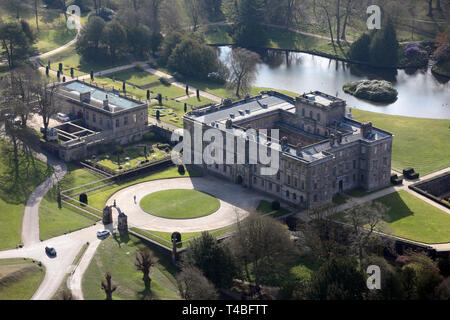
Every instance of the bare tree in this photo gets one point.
(195, 11)
(169, 16)
(263, 246)
(143, 262)
(242, 64)
(46, 105)
(108, 287)
(193, 285)
(365, 220)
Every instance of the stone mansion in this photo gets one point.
(322, 151)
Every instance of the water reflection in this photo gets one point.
(421, 94)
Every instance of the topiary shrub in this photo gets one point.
(276, 205)
(176, 236)
(181, 170)
(83, 199)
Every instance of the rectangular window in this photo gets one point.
(363, 150)
(94, 118)
(295, 182)
(87, 116)
(278, 188)
(354, 164)
(289, 180)
(117, 123)
(100, 121)
(134, 118)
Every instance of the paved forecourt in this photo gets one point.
(236, 202)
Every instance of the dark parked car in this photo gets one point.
(50, 251)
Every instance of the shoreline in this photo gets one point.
(325, 55)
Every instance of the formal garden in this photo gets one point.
(125, 158)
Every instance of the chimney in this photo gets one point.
(339, 137)
(229, 124)
(332, 139)
(106, 103)
(366, 129)
(299, 147)
(85, 97)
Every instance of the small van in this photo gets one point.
(62, 117)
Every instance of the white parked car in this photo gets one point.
(62, 117)
(102, 234)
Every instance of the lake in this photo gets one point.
(420, 93)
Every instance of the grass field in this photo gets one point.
(19, 278)
(418, 143)
(135, 76)
(14, 194)
(412, 218)
(116, 255)
(53, 221)
(179, 204)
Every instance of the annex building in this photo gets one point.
(99, 116)
(322, 151)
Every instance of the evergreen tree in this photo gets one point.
(384, 47)
(249, 31)
(360, 49)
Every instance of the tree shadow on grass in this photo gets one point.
(121, 238)
(146, 294)
(398, 209)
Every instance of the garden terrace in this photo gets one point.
(436, 189)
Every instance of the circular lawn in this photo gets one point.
(179, 204)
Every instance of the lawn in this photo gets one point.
(137, 77)
(265, 207)
(19, 278)
(70, 59)
(14, 194)
(116, 255)
(53, 221)
(179, 204)
(418, 143)
(412, 218)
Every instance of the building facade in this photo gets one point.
(100, 116)
(322, 151)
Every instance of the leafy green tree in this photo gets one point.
(88, 44)
(168, 45)
(115, 39)
(214, 260)
(337, 279)
(249, 30)
(15, 44)
(194, 59)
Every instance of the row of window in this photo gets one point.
(118, 122)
